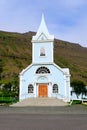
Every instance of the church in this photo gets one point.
(43, 78)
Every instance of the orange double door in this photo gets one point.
(43, 90)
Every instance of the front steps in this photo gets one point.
(40, 102)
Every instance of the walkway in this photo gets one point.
(40, 102)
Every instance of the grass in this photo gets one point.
(7, 100)
(15, 51)
(74, 102)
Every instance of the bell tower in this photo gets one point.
(42, 45)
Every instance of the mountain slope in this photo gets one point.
(15, 53)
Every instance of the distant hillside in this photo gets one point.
(15, 53)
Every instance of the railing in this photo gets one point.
(71, 99)
(76, 99)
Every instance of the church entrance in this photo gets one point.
(43, 90)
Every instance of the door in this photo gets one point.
(43, 90)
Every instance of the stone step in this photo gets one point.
(40, 102)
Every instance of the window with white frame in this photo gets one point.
(42, 70)
(55, 88)
(42, 52)
(30, 88)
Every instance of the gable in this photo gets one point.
(42, 37)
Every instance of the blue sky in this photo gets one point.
(66, 19)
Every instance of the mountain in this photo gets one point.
(16, 54)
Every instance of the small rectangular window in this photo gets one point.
(42, 54)
(55, 88)
(30, 88)
(42, 51)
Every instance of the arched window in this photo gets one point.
(55, 88)
(42, 51)
(42, 70)
(30, 88)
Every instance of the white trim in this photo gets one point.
(40, 77)
(42, 41)
(42, 29)
(42, 34)
(20, 88)
(65, 84)
(58, 67)
(45, 52)
(52, 52)
(32, 52)
(69, 87)
(23, 71)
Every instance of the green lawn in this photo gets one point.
(7, 99)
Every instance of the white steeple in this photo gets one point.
(43, 31)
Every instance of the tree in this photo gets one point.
(1, 68)
(79, 87)
(15, 85)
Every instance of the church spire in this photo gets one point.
(43, 29)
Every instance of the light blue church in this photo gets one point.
(43, 78)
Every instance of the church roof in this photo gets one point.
(43, 30)
(63, 70)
